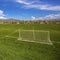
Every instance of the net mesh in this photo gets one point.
(35, 35)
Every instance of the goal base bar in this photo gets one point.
(35, 41)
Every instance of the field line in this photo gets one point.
(2, 37)
(13, 32)
(33, 41)
(11, 36)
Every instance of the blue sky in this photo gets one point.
(30, 9)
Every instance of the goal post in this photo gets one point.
(38, 36)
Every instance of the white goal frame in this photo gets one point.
(48, 33)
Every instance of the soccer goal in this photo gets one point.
(38, 36)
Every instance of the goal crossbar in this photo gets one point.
(35, 30)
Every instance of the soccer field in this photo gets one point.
(13, 49)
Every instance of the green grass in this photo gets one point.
(13, 49)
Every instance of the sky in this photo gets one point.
(30, 9)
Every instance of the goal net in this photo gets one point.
(35, 36)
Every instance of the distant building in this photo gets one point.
(57, 22)
(13, 21)
(18, 23)
(42, 22)
(1, 22)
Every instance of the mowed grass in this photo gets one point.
(13, 49)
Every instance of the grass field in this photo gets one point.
(13, 49)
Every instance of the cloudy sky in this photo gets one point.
(30, 9)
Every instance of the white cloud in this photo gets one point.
(50, 17)
(33, 17)
(38, 5)
(23, 2)
(2, 15)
